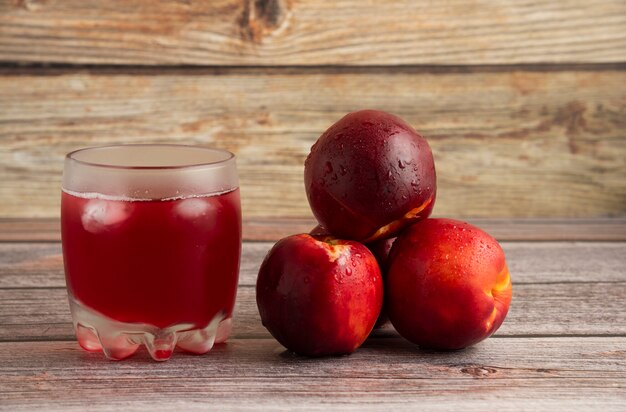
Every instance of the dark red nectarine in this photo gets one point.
(369, 175)
(318, 295)
(380, 249)
(319, 230)
(447, 284)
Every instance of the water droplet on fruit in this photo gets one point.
(357, 255)
(343, 170)
(349, 271)
(329, 167)
(390, 175)
(401, 164)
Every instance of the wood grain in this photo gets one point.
(560, 348)
(40, 265)
(313, 32)
(522, 102)
(506, 144)
(519, 373)
(551, 309)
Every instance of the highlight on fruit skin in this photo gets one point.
(447, 285)
(380, 249)
(369, 176)
(319, 295)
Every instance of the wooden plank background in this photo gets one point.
(560, 348)
(517, 143)
(313, 32)
(523, 103)
(543, 373)
(33, 304)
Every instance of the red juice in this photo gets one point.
(157, 263)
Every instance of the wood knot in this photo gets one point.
(263, 17)
(30, 5)
(572, 117)
(479, 371)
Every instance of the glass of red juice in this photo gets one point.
(151, 246)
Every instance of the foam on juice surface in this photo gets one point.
(103, 212)
(95, 195)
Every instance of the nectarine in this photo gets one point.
(318, 295)
(369, 175)
(447, 284)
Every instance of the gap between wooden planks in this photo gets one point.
(272, 229)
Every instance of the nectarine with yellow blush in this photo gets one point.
(447, 285)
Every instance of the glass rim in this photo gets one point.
(215, 163)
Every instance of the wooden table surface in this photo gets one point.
(562, 346)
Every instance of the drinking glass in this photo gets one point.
(151, 246)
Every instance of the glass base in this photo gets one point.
(119, 340)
